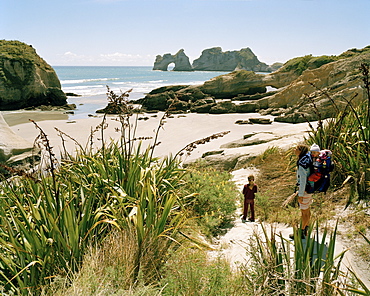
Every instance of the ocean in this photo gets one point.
(90, 83)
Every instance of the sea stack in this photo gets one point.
(180, 59)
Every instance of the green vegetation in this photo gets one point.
(114, 220)
(18, 52)
(48, 221)
(273, 271)
(299, 64)
(214, 201)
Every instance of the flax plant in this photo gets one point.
(47, 222)
(309, 267)
(42, 236)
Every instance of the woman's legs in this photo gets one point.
(306, 215)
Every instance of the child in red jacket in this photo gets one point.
(249, 191)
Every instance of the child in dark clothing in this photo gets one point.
(249, 191)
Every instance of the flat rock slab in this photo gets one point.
(12, 145)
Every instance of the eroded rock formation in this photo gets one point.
(326, 81)
(214, 59)
(26, 80)
(180, 59)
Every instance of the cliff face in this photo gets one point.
(26, 79)
(214, 59)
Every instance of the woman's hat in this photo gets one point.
(315, 147)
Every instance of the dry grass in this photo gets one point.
(277, 181)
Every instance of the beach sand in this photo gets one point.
(176, 133)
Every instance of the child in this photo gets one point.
(249, 191)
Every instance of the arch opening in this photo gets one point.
(171, 66)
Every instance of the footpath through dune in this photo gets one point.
(234, 244)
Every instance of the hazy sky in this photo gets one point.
(133, 32)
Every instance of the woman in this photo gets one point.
(304, 165)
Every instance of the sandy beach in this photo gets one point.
(176, 133)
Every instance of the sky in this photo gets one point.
(134, 32)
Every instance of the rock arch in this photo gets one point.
(180, 59)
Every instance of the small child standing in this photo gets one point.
(249, 191)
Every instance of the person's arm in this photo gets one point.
(302, 175)
(244, 189)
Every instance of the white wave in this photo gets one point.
(83, 87)
(156, 81)
(77, 81)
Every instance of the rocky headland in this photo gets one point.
(26, 80)
(301, 87)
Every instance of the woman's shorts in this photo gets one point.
(306, 202)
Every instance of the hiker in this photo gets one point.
(319, 180)
(304, 166)
(249, 191)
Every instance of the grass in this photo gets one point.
(214, 203)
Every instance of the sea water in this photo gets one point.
(90, 83)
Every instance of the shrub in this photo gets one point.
(215, 197)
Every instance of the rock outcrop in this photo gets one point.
(14, 150)
(214, 59)
(302, 84)
(180, 59)
(26, 80)
(236, 83)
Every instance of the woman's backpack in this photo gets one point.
(319, 179)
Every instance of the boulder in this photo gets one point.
(14, 150)
(214, 59)
(180, 59)
(233, 84)
(191, 93)
(159, 101)
(163, 89)
(240, 122)
(26, 79)
(205, 108)
(178, 105)
(223, 107)
(248, 107)
(260, 120)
